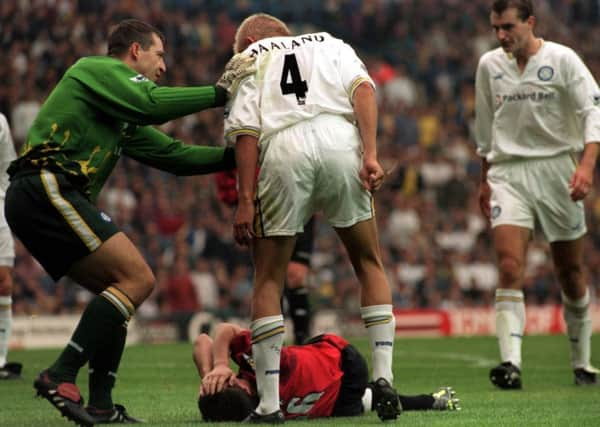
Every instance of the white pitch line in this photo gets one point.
(477, 361)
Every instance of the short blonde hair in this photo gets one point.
(258, 26)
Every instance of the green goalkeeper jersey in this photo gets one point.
(102, 108)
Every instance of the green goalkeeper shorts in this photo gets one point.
(54, 220)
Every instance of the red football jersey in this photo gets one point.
(310, 375)
(227, 188)
(226, 183)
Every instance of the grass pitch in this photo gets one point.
(159, 383)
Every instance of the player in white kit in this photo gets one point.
(10, 370)
(308, 118)
(537, 108)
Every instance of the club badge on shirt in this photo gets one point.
(496, 211)
(545, 73)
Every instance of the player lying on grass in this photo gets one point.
(326, 377)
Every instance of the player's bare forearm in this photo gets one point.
(203, 354)
(246, 157)
(590, 155)
(583, 178)
(223, 336)
(484, 189)
(365, 110)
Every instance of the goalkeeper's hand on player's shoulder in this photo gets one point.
(238, 67)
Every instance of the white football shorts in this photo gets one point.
(527, 190)
(311, 166)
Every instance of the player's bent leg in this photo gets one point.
(117, 262)
(131, 274)
(568, 259)
(115, 270)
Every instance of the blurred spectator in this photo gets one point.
(205, 284)
(403, 222)
(118, 196)
(24, 112)
(400, 88)
(181, 299)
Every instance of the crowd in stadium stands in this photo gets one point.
(422, 55)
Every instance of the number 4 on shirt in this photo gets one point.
(297, 86)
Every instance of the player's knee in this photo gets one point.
(296, 275)
(510, 269)
(139, 285)
(202, 340)
(147, 281)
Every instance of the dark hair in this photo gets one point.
(524, 7)
(231, 404)
(129, 31)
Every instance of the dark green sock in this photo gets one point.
(103, 369)
(419, 402)
(99, 320)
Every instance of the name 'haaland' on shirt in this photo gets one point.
(294, 43)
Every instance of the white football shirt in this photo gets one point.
(297, 78)
(552, 107)
(7, 155)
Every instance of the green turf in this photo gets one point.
(159, 383)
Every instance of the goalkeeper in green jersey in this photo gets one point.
(102, 108)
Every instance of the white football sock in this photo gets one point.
(381, 329)
(267, 339)
(579, 329)
(367, 400)
(510, 324)
(5, 327)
